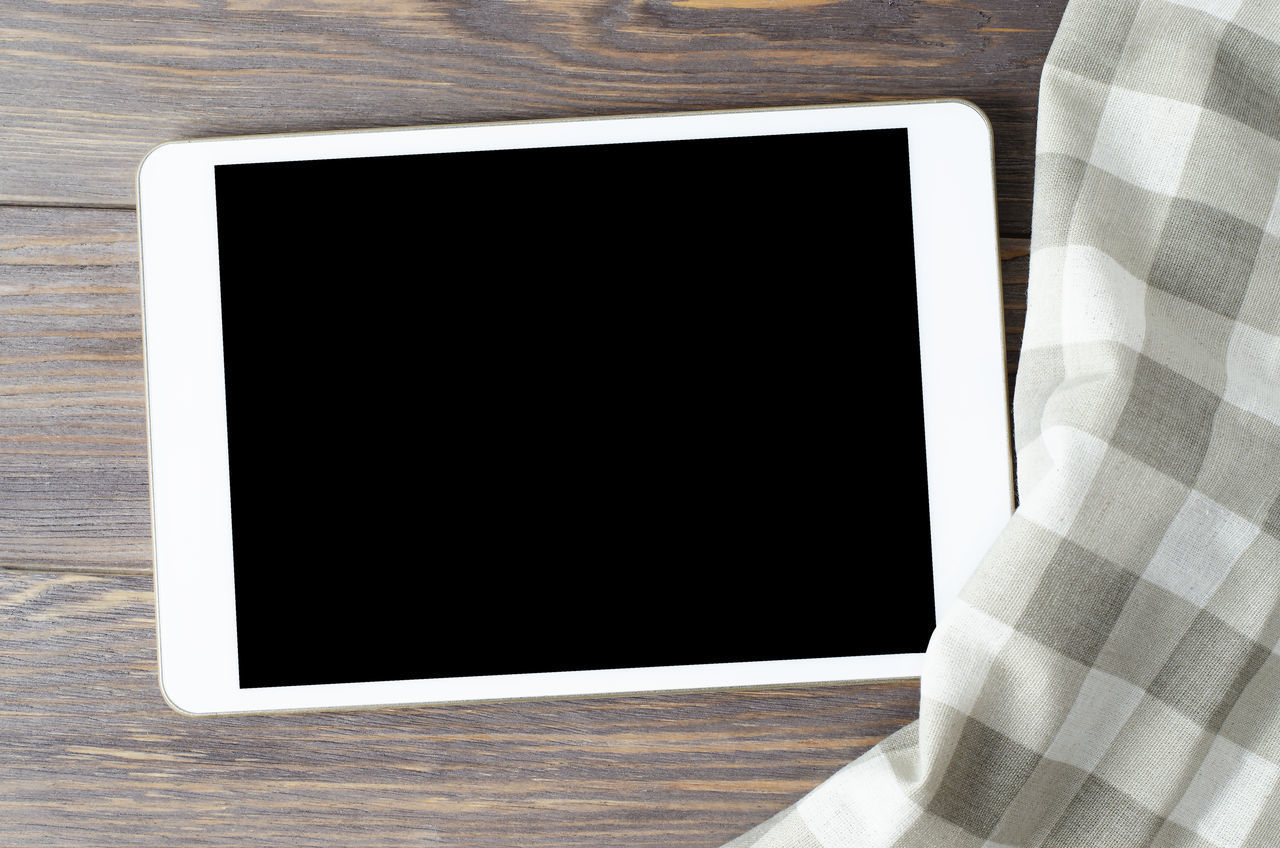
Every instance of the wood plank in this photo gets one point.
(90, 87)
(73, 468)
(1015, 268)
(73, 472)
(89, 751)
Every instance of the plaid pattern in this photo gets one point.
(1110, 676)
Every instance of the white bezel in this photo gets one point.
(962, 353)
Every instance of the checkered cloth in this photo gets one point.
(1110, 676)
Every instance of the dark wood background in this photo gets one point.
(89, 753)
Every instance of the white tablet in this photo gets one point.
(569, 407)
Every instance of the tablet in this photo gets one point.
(567, 408)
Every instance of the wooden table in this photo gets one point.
(89, 753)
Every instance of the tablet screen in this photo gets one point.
(584, 407)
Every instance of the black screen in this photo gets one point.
(574, 408)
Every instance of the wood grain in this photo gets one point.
(90, 754)
(1015, 267)
(73, 476)
(73, 468)
(90, 87)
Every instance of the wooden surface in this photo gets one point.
(89, 754)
